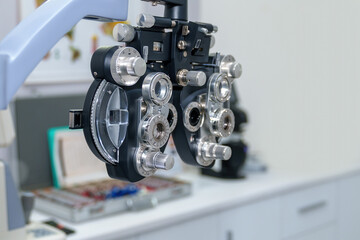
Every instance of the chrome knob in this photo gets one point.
(158, 160)
(149, 160)
(127, 66)
(230, 67)
(145, 20)
(196, 78)
(216, 151)
(163, 161)
(185, 77)
(136, 66)
(222, 152)
(234, 70)
(123, 32)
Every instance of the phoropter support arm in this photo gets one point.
(28, 43)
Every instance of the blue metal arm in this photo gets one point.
(24, 47)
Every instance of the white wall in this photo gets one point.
(301, 80)
(8, 16)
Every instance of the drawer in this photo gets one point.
(307, 209)
(243, 223)
(324, 233)
(206, 227)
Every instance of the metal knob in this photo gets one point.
(230, 67)
(163, 161)
(185, 77)
(214, 150)
(235, 70)
(127, 66)
(123, 32)
(196, 78)
(222, 152)
(158, 160)
(136, 66)
(145, 20)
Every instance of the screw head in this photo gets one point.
(182, 45)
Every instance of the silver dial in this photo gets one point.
(155, 131)
(127, 66)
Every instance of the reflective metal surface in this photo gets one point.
(127, 66)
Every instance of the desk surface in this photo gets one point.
(210, 195)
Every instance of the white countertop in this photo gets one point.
(209, 195)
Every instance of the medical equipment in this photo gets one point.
(233, 168)
(160, 80)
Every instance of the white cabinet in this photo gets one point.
(323, 233)
(255, 221)
(322, 211)
(307, 209)
(349, 208)
(304, 214)
(206, 227)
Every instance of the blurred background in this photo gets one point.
(299, 88)
(300, 80)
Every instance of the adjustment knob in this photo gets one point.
(222, 152)
(135, 66)
(230, 67)
(234, 70)
(149, 160)
(123, 63)
(215, 151)
(193, 78)
(163, 161)
(196, 78)
(145, 20)
(123, 32)
(158, 160)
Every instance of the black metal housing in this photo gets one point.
(159, 45)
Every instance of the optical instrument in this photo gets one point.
(161, 79)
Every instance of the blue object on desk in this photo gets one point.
(116, 192)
